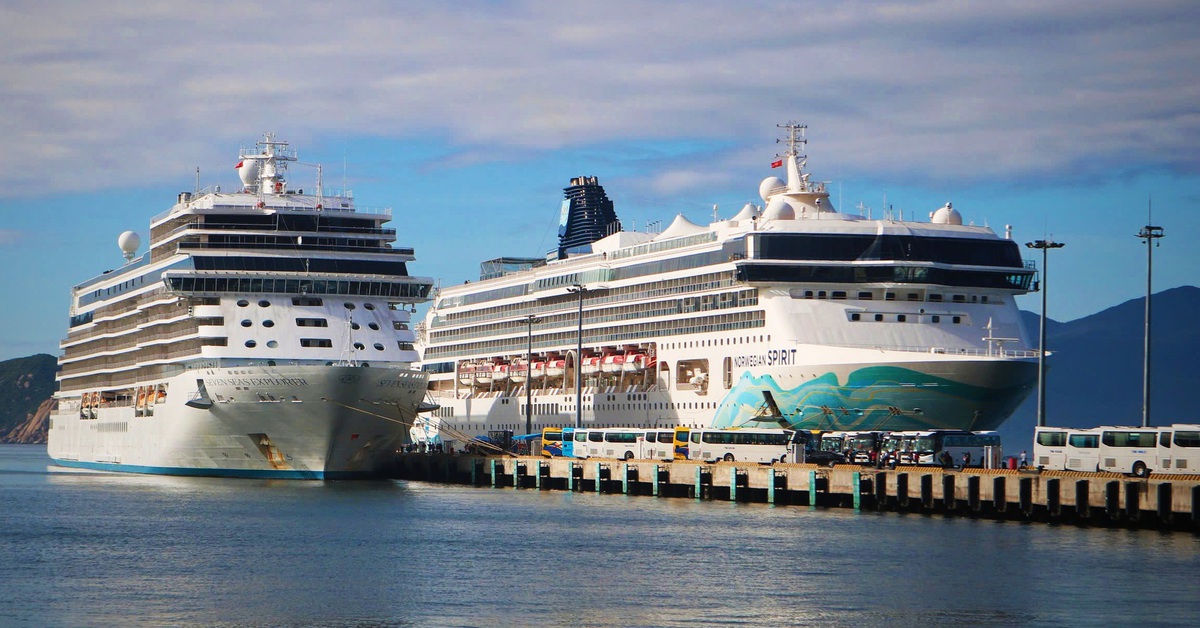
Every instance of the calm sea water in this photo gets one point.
(108, 549)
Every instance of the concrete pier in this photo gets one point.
(1103, 499)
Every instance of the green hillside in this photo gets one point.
(24, 384)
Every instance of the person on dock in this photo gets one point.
(966, 459)
(1021, 460)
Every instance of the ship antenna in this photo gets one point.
(795, 161)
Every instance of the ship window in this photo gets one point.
(311, 322)
(355, 326)
(808, 294)
(913, 296)
(316, 342)
(374, 326)
(878, 318)
(889, 296)
(264, 303)
(306, 301)
(866, 296)
(900, 318)
(268, 323)
(935, 318)
(957, 319)
(369, 306)
(855, 316)
(359, 346)
(251, 344)
(936, 298)
(378, 346)
(246, 323)
(821, 294)
(983, 298)
(405, 346)
(838, 294)
(272, 344)
(243, 303)
(959, 298)
(349, 306)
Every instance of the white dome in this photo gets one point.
(681, 226)
(780, 208)
(946, 215)
(749, 212)
(248, 171)
(129, 243)
(768, 184)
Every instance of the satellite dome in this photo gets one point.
(780, 208)
(248, 171)
(768, 184)
(129, 243)
(946, 215)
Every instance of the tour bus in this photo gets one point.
(958, 448)
(658, 445)
(584, 440)
(568, 442)
(1050, 448)
(552, 439)
(1179, 449)
(834, 441)
(895, 445)
(864, 447)
(622, 443)
(741, 444)
(681, 443)
(1132, 450)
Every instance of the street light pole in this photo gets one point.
(1149, 233)
(580, 290)
(531, 319)
(1045, 246)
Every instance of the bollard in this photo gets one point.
(902, 490)
(1112, 499)
(1165, 513)
(771, 485)
(518, 473)
(493, 461)
(1053, 501)
(1025, 495)
(1083, 499)
(1000, 495)
(1133, 492)
(625, 478)
(949, 501)
(973, 501)
(654, 487)
(881, 496)
(927, 491)
(856, 486)
(599, 479)
(733, 473)
(812, 488)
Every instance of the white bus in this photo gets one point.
(742, 444)
(659, 445)
(611, 442)
(950, 448)
(1066, 449)
(1132, 450)
(1179, 449)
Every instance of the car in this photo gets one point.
(823, 458)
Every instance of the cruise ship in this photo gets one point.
(790, 313)
(264, 333)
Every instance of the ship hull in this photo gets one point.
(295, 422)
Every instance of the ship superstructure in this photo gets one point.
(791, 313)
(265, 333)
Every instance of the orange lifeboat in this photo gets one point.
(613, 363)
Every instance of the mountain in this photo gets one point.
(1094, 375)
(26, 385)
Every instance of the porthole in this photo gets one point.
(243, 303)
(355, 326)
(272, 344)
(268, 323)
(250, 344)
(264, 303)
(246, 323)
(360, 346)
(270, 362)
(378, 346)
(374, 326)
(369, 306)
(349, 306)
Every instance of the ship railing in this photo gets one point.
(998, 352)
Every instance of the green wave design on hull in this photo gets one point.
(872, 398)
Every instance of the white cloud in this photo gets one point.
(936, 90)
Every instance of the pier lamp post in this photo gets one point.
(531, 319)
(1150, 234)
(1045, 246)
(580, 290)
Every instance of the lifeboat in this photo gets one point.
(613, 363)
(466, 373)
(634, 363)
(539, 370)
(141, 397)
(556, 368)
(518, 372)
(500, 373)
(484, 374)
(591, 365)
(162, 396)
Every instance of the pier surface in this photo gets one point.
(1102, 499)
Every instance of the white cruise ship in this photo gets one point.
(266, 333)
(791, 313)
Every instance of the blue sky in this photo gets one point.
(469, 118)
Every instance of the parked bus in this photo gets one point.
(744, 444)
(864, 448)
(957, 448)
(1050, 448)
(1179, 449)
(568, 442)
(552, 439)
(659, 445)
(681, 443)
(1132, 450)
